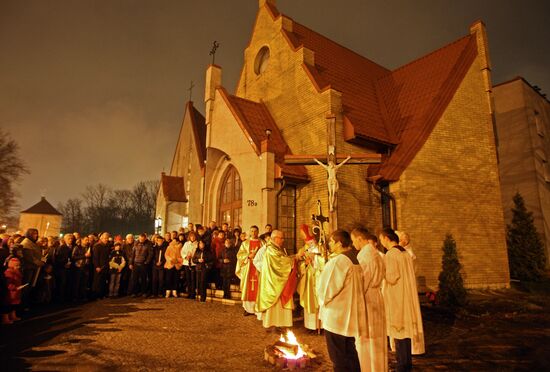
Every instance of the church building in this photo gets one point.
(303, 96)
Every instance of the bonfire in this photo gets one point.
(287, 352)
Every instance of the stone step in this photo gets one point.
(224, 301)
(218, 293)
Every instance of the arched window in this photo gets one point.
(231, 195)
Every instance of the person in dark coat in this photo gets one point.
(204, 260)
(229, 262)
(62, 266)
(117, 262)
(100, 258)
(142, 255)
(159, 249)
(31, 262)
(78, 269)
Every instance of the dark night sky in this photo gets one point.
(94, 91)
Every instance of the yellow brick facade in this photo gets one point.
(300, 111)
(452, 186)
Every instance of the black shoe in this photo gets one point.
(246, 313)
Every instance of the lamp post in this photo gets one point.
(158, 225)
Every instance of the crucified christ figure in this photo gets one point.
(332, 182)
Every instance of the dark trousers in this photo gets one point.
(114, 284)
(125, 282)
(139, 279)
(171, 277)
(26, 293)
(78, 283)
(202, 276)
(158, 280)
(100, 282)
(342, 352)
(226, 287)
(60, 274)
(190, 281)
(403, 354)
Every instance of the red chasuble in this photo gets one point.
(253, 284)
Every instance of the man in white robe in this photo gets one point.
(403, 317)
(373, 351)
(342, 303)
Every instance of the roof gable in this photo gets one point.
(254, 119)
(198, 128)
(42, 207)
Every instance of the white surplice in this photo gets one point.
(341, 298)
(373, 350)
(403, 316)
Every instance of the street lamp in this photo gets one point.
(158, 225)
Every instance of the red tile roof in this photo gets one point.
(173, 188)
(254, 118)
(388, 109)
(416, 95)
(42, 207)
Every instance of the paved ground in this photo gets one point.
(501, 330)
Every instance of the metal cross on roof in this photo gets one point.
(191, 86)
(215, 46)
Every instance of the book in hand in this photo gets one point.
(22, 286)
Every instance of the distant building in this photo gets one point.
(302, 94)
(522, 116)
(42, 216)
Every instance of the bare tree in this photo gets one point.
(12, 169)
(73, 215)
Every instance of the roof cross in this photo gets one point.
(215, 46)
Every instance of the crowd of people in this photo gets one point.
(73, 268)
(359, 290)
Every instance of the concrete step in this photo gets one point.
(218, 293)
(222, 300)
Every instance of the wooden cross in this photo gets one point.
(331, 162)
(191, 90)
(215, 46)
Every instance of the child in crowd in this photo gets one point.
(228, 263)
(14, 279)
(117, 262)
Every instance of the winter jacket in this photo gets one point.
(116, 261)
(142, 253)
(207, 255)
(13, 281)
(158, 255)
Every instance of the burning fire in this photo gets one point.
(290, 339)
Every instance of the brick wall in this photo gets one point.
(452, 186)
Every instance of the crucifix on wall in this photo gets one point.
(331, 162)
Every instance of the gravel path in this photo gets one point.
(145, 335)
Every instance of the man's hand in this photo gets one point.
(226, 260)
(98, 269)
(201, 260)
(131, 267)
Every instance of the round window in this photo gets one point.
(260, 64)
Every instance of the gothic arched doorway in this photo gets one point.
(230, 198)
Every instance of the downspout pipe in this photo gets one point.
(283, 184)
(393, 203)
